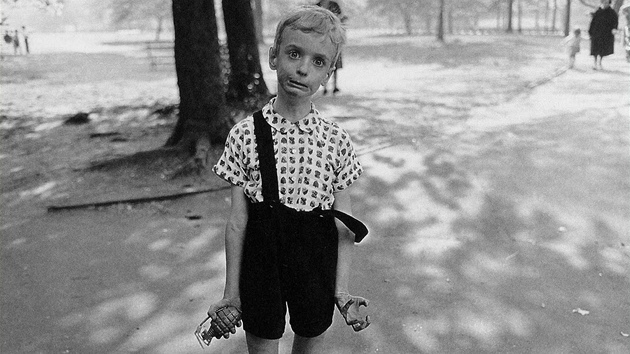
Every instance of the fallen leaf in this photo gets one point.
(581, 312)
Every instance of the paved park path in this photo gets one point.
(506, 233)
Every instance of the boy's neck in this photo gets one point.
(292, 109)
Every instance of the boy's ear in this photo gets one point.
(328, 75)
(272, 58)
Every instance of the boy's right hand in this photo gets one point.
(226, 317)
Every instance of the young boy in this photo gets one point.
(572, 43)
(285, 243)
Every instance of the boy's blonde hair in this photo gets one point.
(316, 19)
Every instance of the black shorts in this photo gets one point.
(289, 259)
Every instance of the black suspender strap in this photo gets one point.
(269, 175)
(266, 158)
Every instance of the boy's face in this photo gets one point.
(303, 62)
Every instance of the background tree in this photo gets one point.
(203, 117)
(246, 85)
(258, 20)
(567, 18)
(139, 11)
(406, 11)
(509, 15)
(554, 14)
(440, 24)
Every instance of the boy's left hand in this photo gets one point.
(349, 307)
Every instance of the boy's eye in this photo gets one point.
(293, 54)
(319, 62)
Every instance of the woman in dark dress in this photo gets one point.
(604, 21)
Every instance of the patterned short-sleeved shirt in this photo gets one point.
(314, 159)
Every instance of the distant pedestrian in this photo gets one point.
(603, 23)
(7, 38)
(25, 36)
(572, 44)
(16, 43)
(334, 7)
(626, 30)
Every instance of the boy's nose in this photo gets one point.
(302, 69)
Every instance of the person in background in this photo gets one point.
(16, 43)
(572, 43)
(334, 7)
(625, 10)
(25, 36)
(602, 27)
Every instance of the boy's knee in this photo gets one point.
(257, 344)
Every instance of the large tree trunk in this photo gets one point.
(246, 84)
(203, 119)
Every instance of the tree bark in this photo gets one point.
(203, 118)
(246, 83)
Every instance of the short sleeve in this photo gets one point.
(231, 166)
(349, 168)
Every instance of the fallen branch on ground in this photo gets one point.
(136, 200)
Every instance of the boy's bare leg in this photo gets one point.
(257, 345)
(303, 345)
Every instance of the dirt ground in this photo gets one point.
(496, 190)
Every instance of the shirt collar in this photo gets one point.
(283, 125)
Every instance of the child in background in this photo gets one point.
(289, 239)
(572, 43)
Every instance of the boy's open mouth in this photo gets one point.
(297, 84)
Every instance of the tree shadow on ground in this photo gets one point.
(472, 270)
(122, 286)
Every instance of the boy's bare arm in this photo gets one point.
(348, 305)
(234, 236)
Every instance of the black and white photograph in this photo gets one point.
(315, 176)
